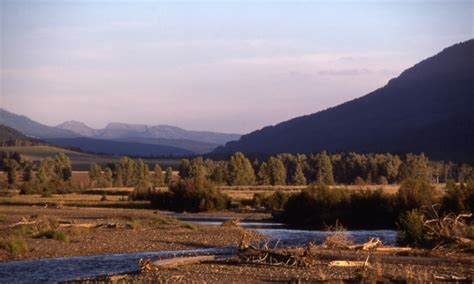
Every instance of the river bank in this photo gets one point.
(380, 268)
(108, 231)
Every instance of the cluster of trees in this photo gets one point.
(324, 168)
(192, 194)
(12, 163)
(319, 206)
(129, 173)
(52, 175)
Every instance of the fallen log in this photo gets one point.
(370, 245)
(147, 265)
(450, 278)
(392, 249)
(347, 263)
(21, 223)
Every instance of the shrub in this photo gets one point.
(28, 188)
(163, 220)
(359, 181)
(319, 206)
(53, 234)
(458, 198)
(410, 225)
(14, 246)
(189, 226)
(275, 201)
(316, 206)
(192, 195)
(415, 193)
(382, 180)
(430, 229)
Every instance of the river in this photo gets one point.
(53, 270)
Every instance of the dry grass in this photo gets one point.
(338, 237)
(79, 161)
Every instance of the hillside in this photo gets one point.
(32, 128)
(80, 161)
(120, 148)
(428, 108)
(196, 147)
(11, 137)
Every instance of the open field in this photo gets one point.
(72, 200)
(79, 160)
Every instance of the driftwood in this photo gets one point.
(346, 263)
(147, 265)
(392, 249)
(370, 245)
(450, 278)
(447, 231)
(272, 257)
(21, 223)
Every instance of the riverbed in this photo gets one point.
(52, 270)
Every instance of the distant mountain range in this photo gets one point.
(32, 128)
(123, 130)
(429, 108)
(120, 138)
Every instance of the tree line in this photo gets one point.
(238, 170)
(324, 168)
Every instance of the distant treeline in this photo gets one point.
(282, 169)
(325, 168)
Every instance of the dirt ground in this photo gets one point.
(119, 231)
(381, 268)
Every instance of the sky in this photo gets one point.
(227, 66)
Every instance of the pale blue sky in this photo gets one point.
(221, 65)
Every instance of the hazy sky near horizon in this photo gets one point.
(230, 66)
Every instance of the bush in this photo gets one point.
(359, 181)
(192, 195)
(316, 206)
(382, 180)
(458, 198)
(53, 234)
(28, 188)
(189, 226)
(415, 193)
(410, 225)
(319, 206)
(14, 246)
(275, 201)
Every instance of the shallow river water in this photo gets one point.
(67, 268)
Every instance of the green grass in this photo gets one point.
(53, 234)
(14, 246)
(164, 220)
(189, 226)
